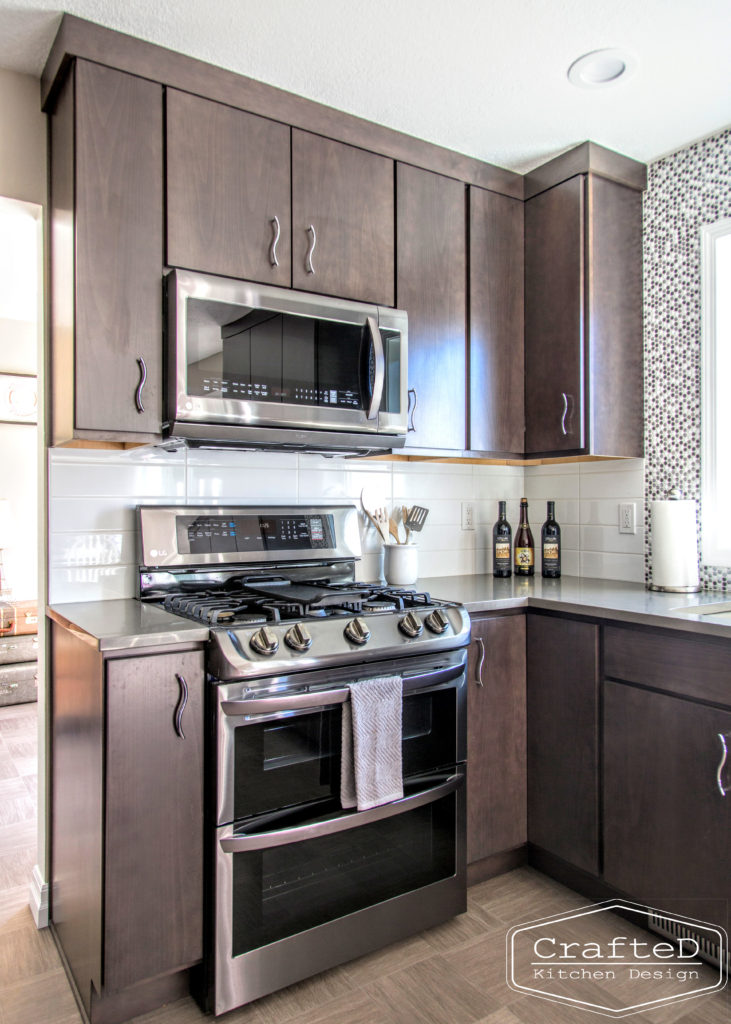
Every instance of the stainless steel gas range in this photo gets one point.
(295, 882)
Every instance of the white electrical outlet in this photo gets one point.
(627, 517)
(468, 515)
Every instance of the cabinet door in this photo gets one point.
(667, 834)
(497, 416)
(228, 191)
(342, 220)
(431, 285)
(554, 319)
(153, 897)
(563, 742)
(118, 286)
(496, 756)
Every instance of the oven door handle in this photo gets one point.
(324, 698)
(341, 822)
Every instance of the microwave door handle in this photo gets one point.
(341, 822)
(380, 377)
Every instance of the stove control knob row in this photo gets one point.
(436, 621)
(411, 625)
(357, 632)
(298, 637)
(264, 641)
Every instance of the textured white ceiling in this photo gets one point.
(484, 77)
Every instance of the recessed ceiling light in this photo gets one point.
(601, 67)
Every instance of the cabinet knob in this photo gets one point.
(143, 378)
(478, 668)
(180, 707)
(723, 790)
(309, 265)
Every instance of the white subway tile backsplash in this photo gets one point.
(93, 495)
(608, 538)
(610, 566)
(612, 485)
(92, 584)
(94, 549)
(118, 479)
(241, 484)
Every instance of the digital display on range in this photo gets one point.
(206, 534)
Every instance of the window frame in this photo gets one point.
(716, 535)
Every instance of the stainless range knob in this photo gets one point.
(411, 625)
(264, 641)
(436, 621)
(357, 632)
(298, 637)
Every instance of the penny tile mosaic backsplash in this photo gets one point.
(686, 190)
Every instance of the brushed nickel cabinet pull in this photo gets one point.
(478, 670)
(275, 238)
(565, 410)
(143, 378)
(309, 266)
(723, 790)
(180, 707)
(411, 411)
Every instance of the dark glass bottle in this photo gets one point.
(551, 544)
(502, 536)
(524, 552)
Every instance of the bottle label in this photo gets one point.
(502, 549)
(524, 557)
(550, 550)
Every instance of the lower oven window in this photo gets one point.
(296, 759)
(285, 890)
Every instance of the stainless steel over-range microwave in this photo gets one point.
(251, 366)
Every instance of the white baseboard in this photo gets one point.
(38, 898)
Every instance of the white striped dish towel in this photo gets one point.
(371, 771)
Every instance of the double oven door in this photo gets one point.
(300, 883)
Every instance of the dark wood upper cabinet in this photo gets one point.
(154, 818)
(496, 375)
(583, 319)
(563, 740)
(106, 223)
(554, 319)
(431, 286)
(342, 220)
(228, 191)
(496, 737)
(667, 825)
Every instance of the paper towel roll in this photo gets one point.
(674, 546)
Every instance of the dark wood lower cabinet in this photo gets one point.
(667, 825)
(496, 780)
(563, 741)
(153, 893)
(127, 820)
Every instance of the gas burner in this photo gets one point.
(375, 605)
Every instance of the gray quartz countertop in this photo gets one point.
(129, 624)
(604, 599)
(126, 624)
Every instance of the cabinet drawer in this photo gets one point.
(685, 665)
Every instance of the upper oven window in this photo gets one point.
(295, 759)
